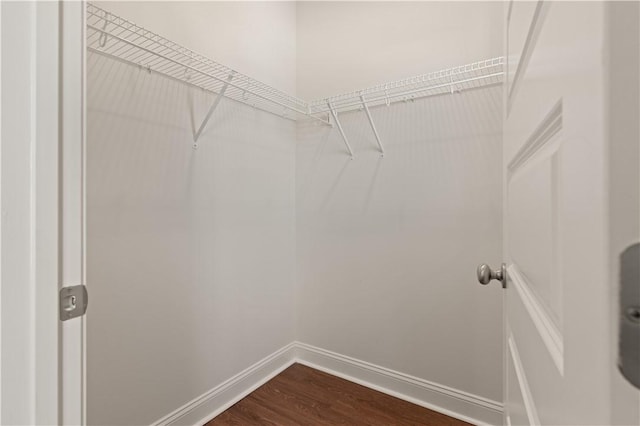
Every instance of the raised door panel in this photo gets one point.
(554, 217)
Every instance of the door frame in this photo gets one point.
(622, 110)
(43, 133)
(72, 206)
(29, 335)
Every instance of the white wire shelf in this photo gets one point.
(471, 76)
(120, 39)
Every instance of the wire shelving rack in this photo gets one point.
(123, 40)
(450, 80)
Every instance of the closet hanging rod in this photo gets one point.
(117, 38)
(115, 58)
(475, 75)
(479, 68)
(198, 71)
(406, 94)
(223, 70)
(129, 29)
(480, 74)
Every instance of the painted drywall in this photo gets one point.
(346, 45)
(387, 247)
(190, 253)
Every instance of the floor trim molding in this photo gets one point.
(208, 405)
(443, 399)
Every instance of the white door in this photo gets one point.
(560, 247)
(41, 226)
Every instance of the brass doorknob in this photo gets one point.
(486, 274)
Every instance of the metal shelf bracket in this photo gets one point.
(373, 126)
(344, 137)
(213, 107)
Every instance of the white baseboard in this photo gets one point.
(443, 399)
(208, 405)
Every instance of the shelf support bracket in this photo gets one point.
(344, 137)
(213, 108)
(373, 126)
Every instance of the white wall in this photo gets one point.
(190, 252)
(388, 247)
(343, 46)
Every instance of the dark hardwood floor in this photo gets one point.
(303, 396)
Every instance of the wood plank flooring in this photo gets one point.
(303, 396)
